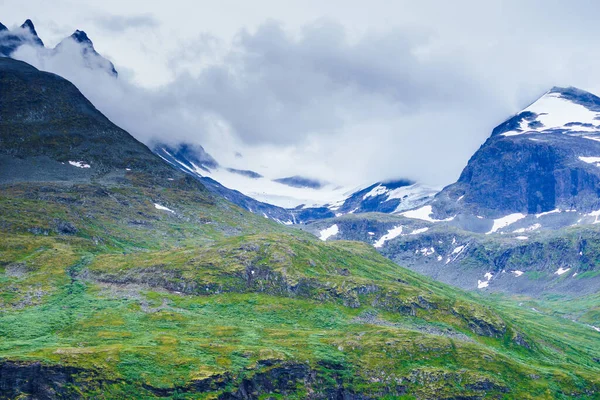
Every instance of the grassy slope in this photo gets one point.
(149, 303)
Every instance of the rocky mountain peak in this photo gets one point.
(28, 26)
(81, 37)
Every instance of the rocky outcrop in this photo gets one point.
(39, 381)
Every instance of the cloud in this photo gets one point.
(121, 23)
(352, 107)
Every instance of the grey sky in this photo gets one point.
(345, 91)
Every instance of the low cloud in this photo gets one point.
(121, 23)
(350, 109)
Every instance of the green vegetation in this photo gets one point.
(119, 299)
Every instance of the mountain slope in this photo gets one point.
(387, 197)
(522, 217)
(543, 159)
(141, 284)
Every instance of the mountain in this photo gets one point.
(544, 159)
(387, 197)
(11, 40)
(26, 34)
(522, 217)
(123, 277)
(90, 56)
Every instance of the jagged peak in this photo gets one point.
(28, 26)
(81, 37)
(3, 27)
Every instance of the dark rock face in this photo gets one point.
(527, 167)
(42, 382)
(517, 174)
(38, 381)
(186, 155)
(50, 132)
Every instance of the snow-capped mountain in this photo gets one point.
(12, 40)
(541, 166)
(522, 218)
(295, 199)
(389, 197)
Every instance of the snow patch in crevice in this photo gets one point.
(562, 270)
(517, 273)
(455, 253)
(163, 208)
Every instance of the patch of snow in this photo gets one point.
(591, 160)
(159, 207)
(426, 251)
(594, 214)
(460, 198)
(505, 221)
(371, 233)
(575, 274)
(483, 284)
(455, 254)
(423, 213)
(518, 273)
(417, 231)
(458, 250)
(376, 191)
(127, 169)
(522, 237)
(329, 232)
(392, 233)
(528, 229)
(561, 271)
(595, 328)
(555, 113)
(439, 258)
(79, 164)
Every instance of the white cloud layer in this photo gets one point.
(365, 94)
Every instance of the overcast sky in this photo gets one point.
(345, 91)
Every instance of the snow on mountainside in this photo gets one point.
(541, 166)
(523, 216)
(294, 199)
(561, 110)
